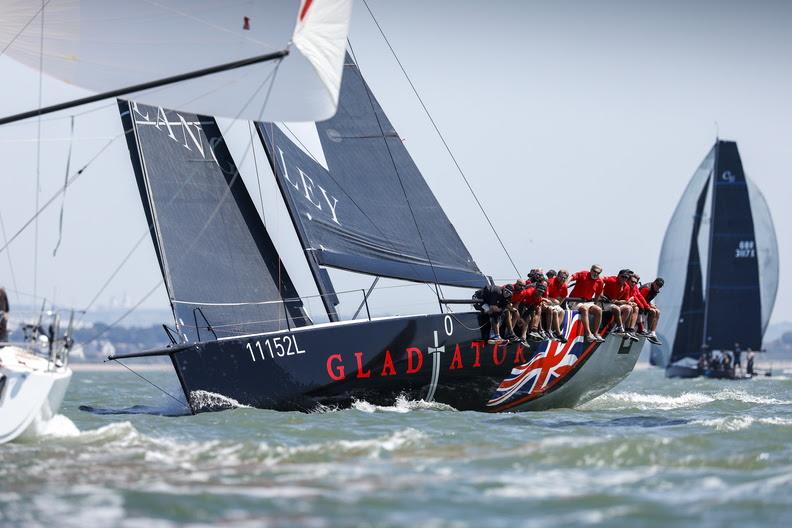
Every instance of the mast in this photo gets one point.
(715, 171)
(320, 275)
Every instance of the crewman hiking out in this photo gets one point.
(585, 292)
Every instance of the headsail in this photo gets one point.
(219, 263)
(357, 198)
(103, 45)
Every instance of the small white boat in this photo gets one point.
(34, 376)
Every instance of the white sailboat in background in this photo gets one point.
(34, 376)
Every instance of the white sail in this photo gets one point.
(104, 45)
(766, 249)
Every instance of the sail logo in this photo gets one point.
(728, 177)
(188, 134)
(309, 190)
(745, 249)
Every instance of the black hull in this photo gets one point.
(440, 358)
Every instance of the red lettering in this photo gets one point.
(388, 369)
(477, 347)
(519, 357)
(495, 358)
(456, 362)
(413, 368)
(360, 373)
(336, 373)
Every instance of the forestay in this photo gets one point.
(103, 45)
(220, 266)
(357, 198)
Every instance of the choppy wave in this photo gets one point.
(649, 401)
(740, 422)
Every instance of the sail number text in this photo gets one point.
(275, 346)
(745, 249)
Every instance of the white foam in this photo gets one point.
(60, 426)
(401, 405)
(649, 401)
(740, 422)
(205, 400)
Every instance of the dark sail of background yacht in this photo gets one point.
(721, 256)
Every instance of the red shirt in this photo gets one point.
(556, 289)
(585, 286)
(615, 290)
(648, 293)
(639, 298)
(528, 298)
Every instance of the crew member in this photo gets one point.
(492, 300)
(649, 292)
(531, 299)
(617, 292)
(557, 292)
(587, 289)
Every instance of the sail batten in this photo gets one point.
(357, 199)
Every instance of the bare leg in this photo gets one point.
(584, 317)
(655, 319)
(617, 313)
(597, 313)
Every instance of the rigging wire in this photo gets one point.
(181, 402)
(10, 262)
(74, 178)
(65, 184)
(258, 178)
(442, 138)
(38, 152)
(124, 315)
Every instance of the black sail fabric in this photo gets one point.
(220, 266)
(361, 203)
(733, 312)
(688, 338)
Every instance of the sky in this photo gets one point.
(577, 123)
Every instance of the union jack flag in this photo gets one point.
(551, 363)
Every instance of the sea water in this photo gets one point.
(652, 452)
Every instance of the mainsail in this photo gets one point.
(220, 267)
(720, 261)
(358, 200)
(103, 45)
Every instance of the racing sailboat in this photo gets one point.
(358, 202)
(721, 245)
